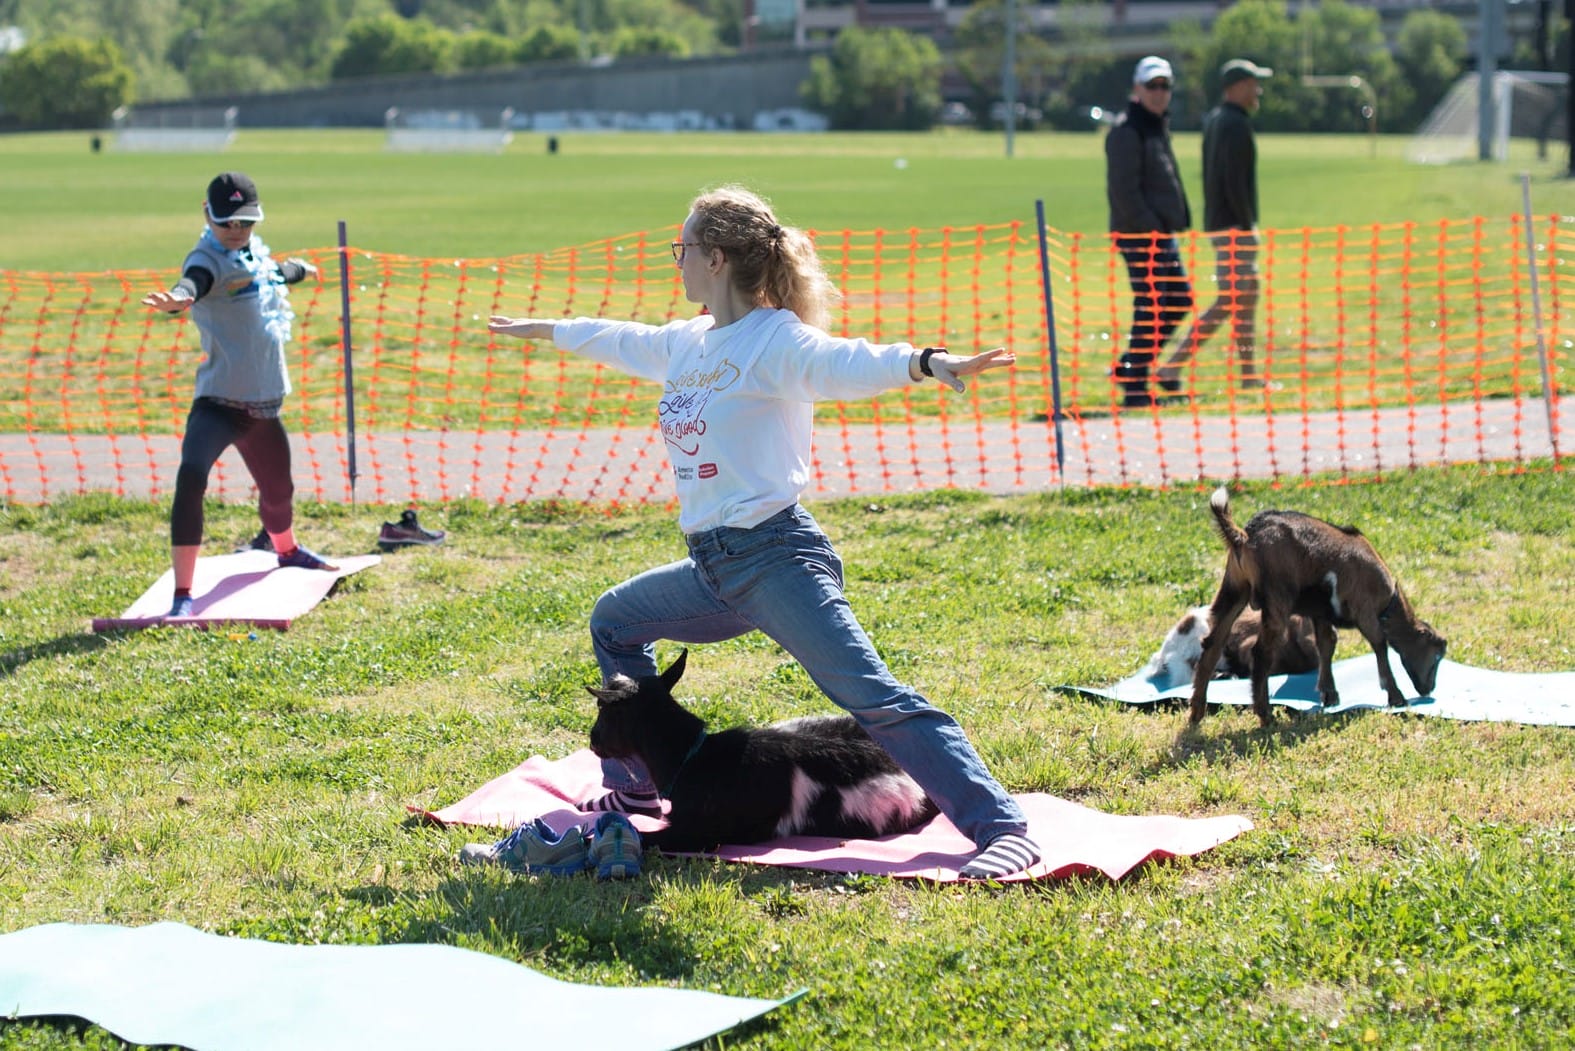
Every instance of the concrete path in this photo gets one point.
(1142, 448)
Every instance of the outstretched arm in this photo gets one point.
(523, 327)
(951, 368)
(192, 286)
(171, 302)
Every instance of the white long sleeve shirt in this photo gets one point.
(737, 407)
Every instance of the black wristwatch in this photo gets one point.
(924, 359)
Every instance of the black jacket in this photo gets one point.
(1142, 180)
(1230, 169)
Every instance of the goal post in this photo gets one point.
(1527, 104)
(195, 129)
(448, 130)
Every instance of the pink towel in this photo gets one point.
(1074, 839)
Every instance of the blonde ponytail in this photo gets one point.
(774, 265)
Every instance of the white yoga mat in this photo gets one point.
(1462, 692)
(171, 984)
(247, 588)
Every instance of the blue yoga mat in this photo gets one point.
(1462, 692)
(171, 984)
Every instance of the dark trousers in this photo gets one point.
(265, 449)
(1161, 299)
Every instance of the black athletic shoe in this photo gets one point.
(408, 531)
(261, 542)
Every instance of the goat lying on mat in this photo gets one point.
(1286, 563)
(816, 776)
(1176, 662)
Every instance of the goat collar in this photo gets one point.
(1390, 606)
(673, 781)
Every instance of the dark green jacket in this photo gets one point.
(1230, 169)
(1142, 182)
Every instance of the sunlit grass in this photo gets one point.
(1406, 885)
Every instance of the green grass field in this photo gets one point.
(1338, 325)
(1408, 881)
(66, 209)
(1407, 884)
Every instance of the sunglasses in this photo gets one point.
(234, 224)
(679, 247)
(1160, 84)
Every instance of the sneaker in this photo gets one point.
(532, 848)
(615, 847)
(261, 542)
(181, 607)
(301, 558)
(407, 531)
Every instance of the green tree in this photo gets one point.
(66, 82)
(646, 40)
(1431, 53)
(981, 58)
(480, 49)
(1333, 38)
(214, 71)
(549, 43)
(390, 44)
(877, 79)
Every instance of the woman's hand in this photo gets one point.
(523, 327)
(169, 302)
(951, 368)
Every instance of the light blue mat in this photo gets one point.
(1462, 692)
(171, 984)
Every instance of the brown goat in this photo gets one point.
(1285, 563)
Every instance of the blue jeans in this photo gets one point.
(782, 577)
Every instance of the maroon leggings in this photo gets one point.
(265, 449)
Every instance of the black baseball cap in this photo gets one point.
(232, 195)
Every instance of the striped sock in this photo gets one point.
(1005, 856)
(626, 802)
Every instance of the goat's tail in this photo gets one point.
(1229, 531)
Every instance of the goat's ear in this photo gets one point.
(602, 696)
(675, 670)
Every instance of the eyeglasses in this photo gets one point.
(233, 224)
(1160, 84)
(678, 250)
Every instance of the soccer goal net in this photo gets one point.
(195, 129)
(1526, 104)
(448, 131)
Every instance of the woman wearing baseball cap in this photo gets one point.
(236, 294)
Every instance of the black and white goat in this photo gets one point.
(1284, 563)
(1176, 661)
(815, 776)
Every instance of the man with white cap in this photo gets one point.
(1148, 207)
(1230, 214)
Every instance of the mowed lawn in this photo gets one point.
(67, 209)
(1408, 881)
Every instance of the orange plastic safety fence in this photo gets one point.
(1333, 352)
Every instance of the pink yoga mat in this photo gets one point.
(244, 588)
(1075, 840)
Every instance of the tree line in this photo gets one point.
(85, 58)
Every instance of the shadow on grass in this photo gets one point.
(66, 645)
(1289, 729)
